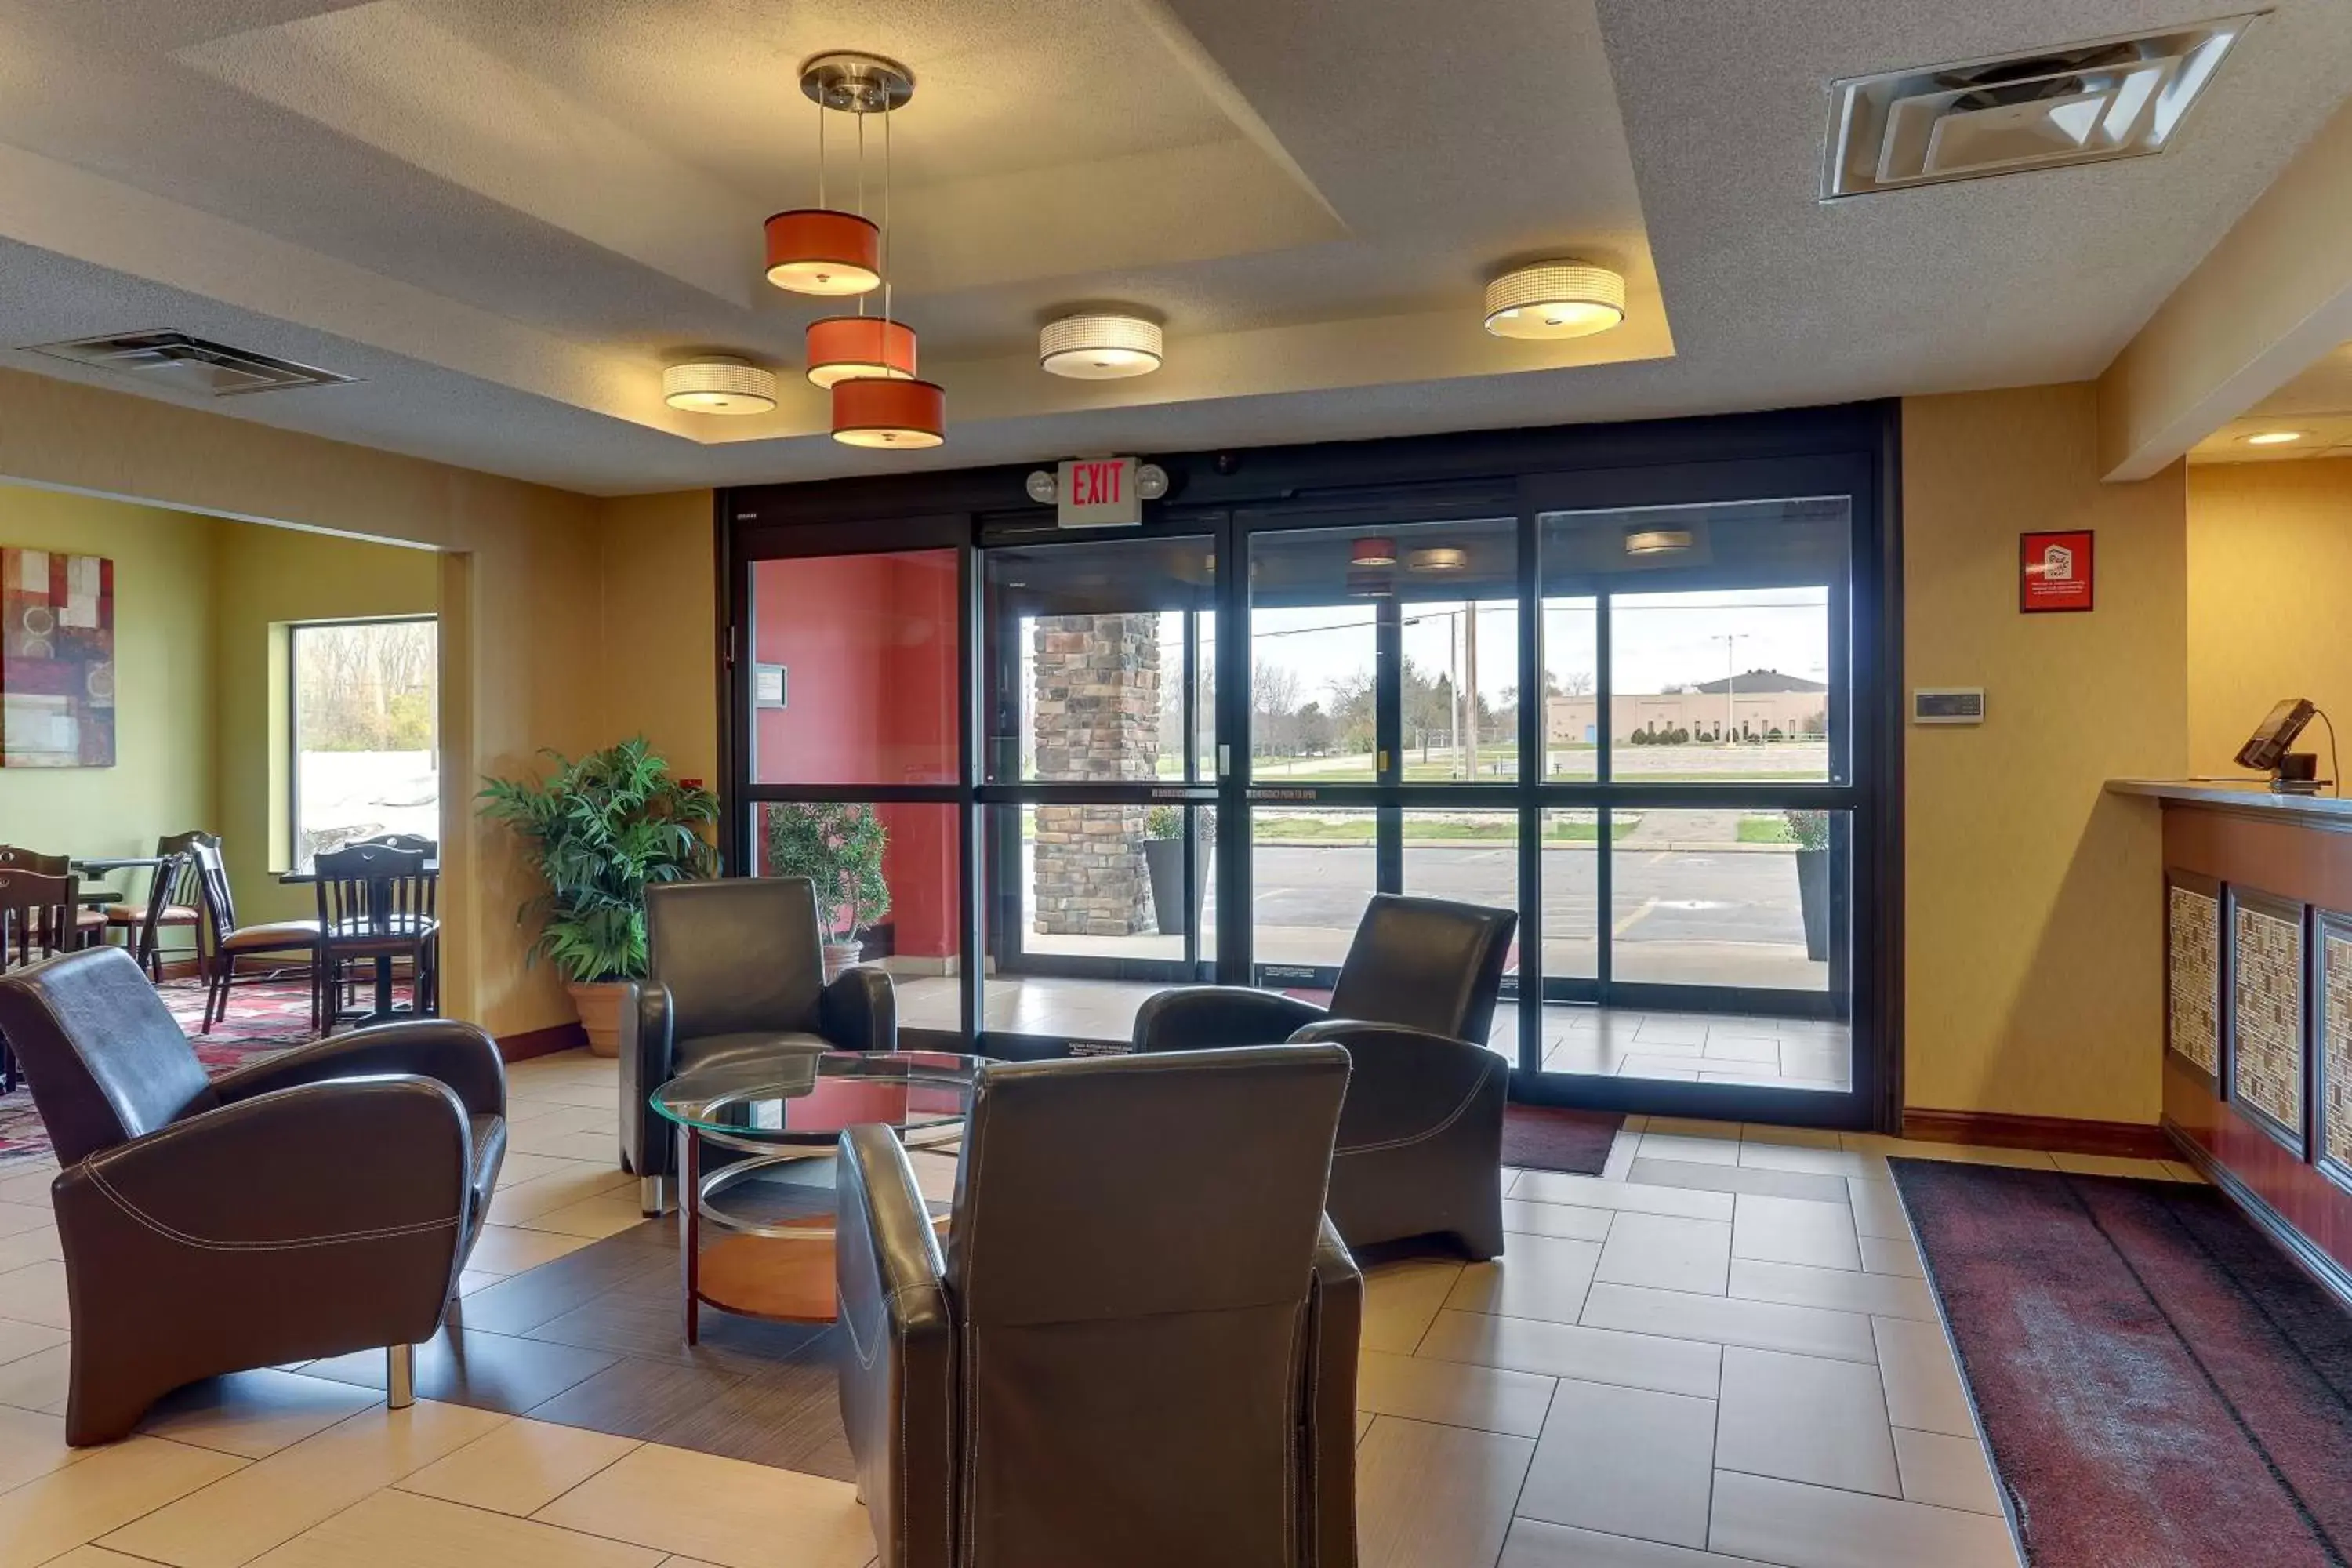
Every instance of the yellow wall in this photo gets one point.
(2033, 915)
(266, 577)
(162, 781)
(660, 627)
(2270, 552)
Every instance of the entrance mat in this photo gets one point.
(1556, 1138)
(2159, 1383)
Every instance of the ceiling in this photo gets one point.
(2317, 404)
(503, 216)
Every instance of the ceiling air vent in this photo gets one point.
(189, 365)
(2083, 103)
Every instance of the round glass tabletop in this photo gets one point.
(799, 1097)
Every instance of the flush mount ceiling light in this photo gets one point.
(719, 385)
(1657, 541)
(2274, 437)
(2079, 103)
(1101, 346)
(823, 250)
(1555, 299)
(874, 412)
(1438, 558)
(846, 348)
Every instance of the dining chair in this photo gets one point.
(173, 891)
(412, 841)
(35, 907)
(222, 943)
(90, 922)
(376, 904)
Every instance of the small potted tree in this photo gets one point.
(599, 831)
(838, 849)
(1811, 829)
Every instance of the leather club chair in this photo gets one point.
(1420, 1140)
(734, 968)
(320, 1202)
(1139, 1347)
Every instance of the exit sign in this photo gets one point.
(1093, 492)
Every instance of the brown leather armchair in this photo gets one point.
(734, 967)
(315, 1203)
(1131, 1353)
(1421, 1141)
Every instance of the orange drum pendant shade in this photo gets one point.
(849, 348)
(875, 412)
(816, 251)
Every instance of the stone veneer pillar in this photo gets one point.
(1097, 719)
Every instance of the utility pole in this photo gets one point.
(1469, 692)
(1730, 680)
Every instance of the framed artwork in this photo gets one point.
(2055, 572)
(57, 660)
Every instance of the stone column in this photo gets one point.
(1097, 718)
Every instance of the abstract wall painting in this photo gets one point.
(57, 660)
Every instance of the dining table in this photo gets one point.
(106, 866)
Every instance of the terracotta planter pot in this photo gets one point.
(599, 1005)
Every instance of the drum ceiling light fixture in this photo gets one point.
(719, 384)
(1101, 345)
(1552, 299)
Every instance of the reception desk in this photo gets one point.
(2258, 982)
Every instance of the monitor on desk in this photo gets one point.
(2270, 742)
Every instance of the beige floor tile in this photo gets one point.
(273, 1500)
(1666, 1253)
(20, 1340)
(1724, 1320)
(29, 1186)
(1877, 1209)
(1623, 1150)
(473, 1279)
(1804, 1418)
(1791, 1137)
(1892, 1254)
(56, 1513)
(1792, 1230)
(1690, 1150)
(1624, 1461)
(1947, 1471)
(1737, 1179)
(37, 1246)
(94, 1557)
(1452, 1394)
(1671, 1070)
(1816, 1527)
(510, 1249)
(1835, 1289)
(37, 1381)
(1563, 1350)
(1761, 1048)
(1364, 1419)
(1539, 1277)
(1592, 1192)
(254, 1413)
(1535, 1544)
(36, 1293)
(2112, 1165)
(592, 1219)
(1923, 1384)
(546, 1135)
(518, 1170)
(34, 1444)
(1400, 1299)
(1812, 1160)
(397, 1530)
(1435, 1497)
(518, 1469)
(1525, 1218)
(17, 1218)
(721, 1511)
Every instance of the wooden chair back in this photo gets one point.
(13, 859)
(373, 890)
(415, 841)
(215, 905)
(37, 915)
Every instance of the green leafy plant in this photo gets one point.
(839, 849)
(1164, 822)
(1811, 829)
(600, 831)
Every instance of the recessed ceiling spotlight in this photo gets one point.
(719, 385)
(1100, 346)
(1657, 541)
(1555, 299)
(2274, 437)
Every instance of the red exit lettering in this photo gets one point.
(1096, 484)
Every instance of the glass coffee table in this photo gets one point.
(772, 1206)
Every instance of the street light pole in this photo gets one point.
(1730, 679)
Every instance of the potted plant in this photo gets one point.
(838, 849)
(600, 831)
(1811, 829)
(1163, 860)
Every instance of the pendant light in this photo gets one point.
(822, 249)
(868, 362)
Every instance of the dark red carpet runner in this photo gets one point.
(1554, 1137)
(2162, 1387)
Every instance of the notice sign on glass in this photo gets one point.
(2053, 572)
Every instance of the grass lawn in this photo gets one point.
(1765, 830)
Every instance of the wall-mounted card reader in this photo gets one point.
(1948, 705)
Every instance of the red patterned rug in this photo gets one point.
(262, 1021)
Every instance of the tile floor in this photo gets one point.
(1719, 1350)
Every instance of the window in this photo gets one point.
(366, 756)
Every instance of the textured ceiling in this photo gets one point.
(504, 216)
(2318, 403)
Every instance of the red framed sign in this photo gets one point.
(2053, 572)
